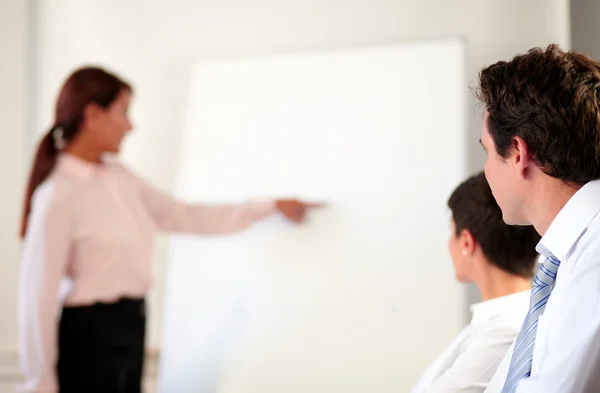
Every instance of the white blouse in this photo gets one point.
(94, 224)
(468, 364)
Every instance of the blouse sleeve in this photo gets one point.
(170, 215)
(43, 264)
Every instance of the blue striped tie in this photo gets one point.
(520, 363)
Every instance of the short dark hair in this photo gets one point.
(511, 248)
(551, 99)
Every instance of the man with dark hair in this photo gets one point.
(499, 259)
(541, 132)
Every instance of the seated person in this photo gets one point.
(500, 260)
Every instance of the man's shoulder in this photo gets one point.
(586, 250)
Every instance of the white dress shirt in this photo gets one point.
(470, 361)
(566, 355)
(95, 224)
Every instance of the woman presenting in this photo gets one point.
(88, 218)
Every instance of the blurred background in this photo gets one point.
(152, 42)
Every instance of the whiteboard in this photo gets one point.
(360, 298)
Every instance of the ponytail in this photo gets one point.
(43, 164)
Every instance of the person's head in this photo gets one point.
(542, 123)
(479, 237)
(91, 113)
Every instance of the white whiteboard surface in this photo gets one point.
(362, 297)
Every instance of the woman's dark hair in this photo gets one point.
(510, 248)
(83, 87)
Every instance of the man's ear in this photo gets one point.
(519, 156)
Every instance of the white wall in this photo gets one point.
(151, 42)
(584, 26)
(14, 109)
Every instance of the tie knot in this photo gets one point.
(547, 273)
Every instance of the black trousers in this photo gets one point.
(101, 347)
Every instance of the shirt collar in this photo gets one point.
(492, 308)
(570, 223)
(76, 167)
